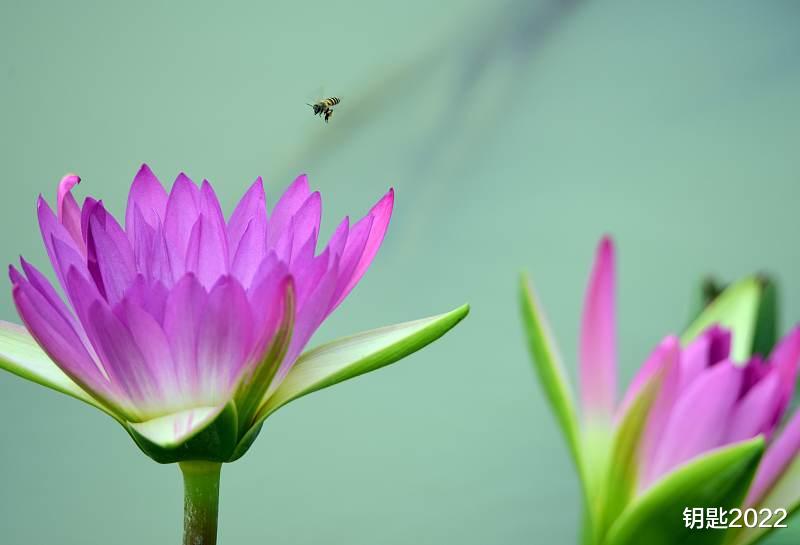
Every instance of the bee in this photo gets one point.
(325, 107)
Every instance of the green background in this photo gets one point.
(515, 135)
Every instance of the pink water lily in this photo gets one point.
(188, 327)
(692, 398)
(178, 308)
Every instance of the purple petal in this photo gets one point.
(250, 216)
(711, 347)
(64, 188)
(663, 357)
(52, 230)
(699, 418)
(150, 296)
(121, 357)
(308, 271)
(149, 197)
(308, 318)
(351, 256)
(39, 282)
(287, 206)
(89, 204)
(381, 213)
(58, 338)
(338, 240)
(67, 259)
(69, 213)
(777, 457)
(109, 248)
(249, 254)
(152, 342)
(598, 351)
(205, 256)
(267, 300)
(183, 210)
(150, 251)
(755, 413)
(182, 315)
(224, 339)
(785, 358)
(305, 224)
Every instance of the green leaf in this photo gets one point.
(784, 494)
(198, 434)
(21, 355)
(719, 479)
(549, 368)
(349, 357)
(736, 309)
(623, 466)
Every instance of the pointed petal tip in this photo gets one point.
(606, 247)
(302, 180)
(598, 344)
(14, 275)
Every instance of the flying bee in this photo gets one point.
(325, 107)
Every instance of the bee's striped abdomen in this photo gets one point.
(325, 107)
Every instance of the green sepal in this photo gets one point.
(623, 465)
(21, 355)
(768, 319)
(212, 439)
(736, 309)
(549, 368)
(349, 357)
(719, 479)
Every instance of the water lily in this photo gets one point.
(189, 328)
(701, 424)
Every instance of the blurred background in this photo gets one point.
(515, 133)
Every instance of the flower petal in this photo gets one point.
(59, 340)
(206, 256)
(150, 250)
(665, 355)
(183, 209)
(52, 233)
(380, 215)
(69, 213)
(182, 314)
(224, 340)
(150, 198)
(305, 224)
(152, 342)
(598, 350)
(109, 248)
(128, 369)
(698, 420)
(778, 456)
(287, 206)
(251, 209)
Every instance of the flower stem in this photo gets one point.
(201, 502)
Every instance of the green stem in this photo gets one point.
(201, 502)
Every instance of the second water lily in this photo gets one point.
(701, 424)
